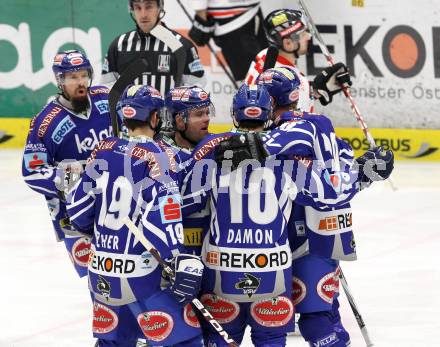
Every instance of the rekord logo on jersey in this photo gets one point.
(274, 312)
(299, 290)
(111, 264)
(340, 221)
(260, 261)
(249, 284)
(223, 310)
(103, 286)
(62, 129)
(81, 251)
(253, 112)
(170, 208)
(190, 316)
(105, 319)
(156, 325)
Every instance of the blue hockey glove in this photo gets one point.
(188, 271)
(375, 165)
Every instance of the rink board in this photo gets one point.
(408, 144)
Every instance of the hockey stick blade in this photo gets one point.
(133, 71)
(196, 302)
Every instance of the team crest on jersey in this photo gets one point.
(105, 319)
(103, 286)
(33, 161)
(170, 211)
(164, 63)
(275, 312)
(300, 228)
(223, 310)
(299, 290)
(190, 316)
(156, 325)
(249, 284)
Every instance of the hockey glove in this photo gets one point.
(330, 81)
(186, 284)
(240, 147)
(375, 165)
(202, 30)
(68, 174)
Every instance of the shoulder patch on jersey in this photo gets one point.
(102, 106)
(32, 161)
(170, 208)
(47, 120)
(196, 66)
(62, 129)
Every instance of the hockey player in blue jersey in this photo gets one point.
(136, 178)
(246, 249)
(190, 109)
(319, 237)
(62, 136)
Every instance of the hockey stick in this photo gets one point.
(355, 309)
(134, 70)
(231, 78)
(330, 61)
(196, 302)
(345, 90)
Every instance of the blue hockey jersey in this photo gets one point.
(324, 231)
(137, 179)
(246, 249)
(58, 136)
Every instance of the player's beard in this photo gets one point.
(80, 104)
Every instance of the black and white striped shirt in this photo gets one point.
(133, 45)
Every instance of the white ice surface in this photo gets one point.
(396, 281)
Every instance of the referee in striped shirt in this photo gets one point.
(159, 45)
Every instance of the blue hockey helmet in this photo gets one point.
(252, 103)
(138, 101)
(181, 100)
(282, 83)
(70, 61)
